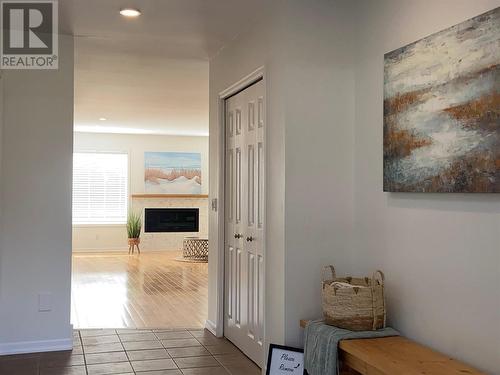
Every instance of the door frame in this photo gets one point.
(257, 75)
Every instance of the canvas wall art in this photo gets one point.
(441, 111)
(172, 172)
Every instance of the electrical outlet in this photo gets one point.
(44, 302)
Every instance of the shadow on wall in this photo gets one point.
(471, 202)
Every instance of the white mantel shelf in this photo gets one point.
(193, 196)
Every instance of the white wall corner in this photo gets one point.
(211, 326)
(23, 347)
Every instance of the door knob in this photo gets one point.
(250, 239)
(237, 235)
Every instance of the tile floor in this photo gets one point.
(136, 351)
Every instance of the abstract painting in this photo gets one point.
(172, 172)
(442, 111)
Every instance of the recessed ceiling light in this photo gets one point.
(102, 118)
(130, 12)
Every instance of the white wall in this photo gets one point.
(440, 252)
(136, 145)
(310, 101)
(36, 199)
(114, 237)
(252, 49)
(319, 158)
(1, 181)
(324, 62)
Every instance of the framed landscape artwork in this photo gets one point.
(442, 111)
(172, 173)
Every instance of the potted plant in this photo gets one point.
(134, 226)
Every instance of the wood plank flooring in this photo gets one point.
(151, 290)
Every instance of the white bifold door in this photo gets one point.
(244, 221)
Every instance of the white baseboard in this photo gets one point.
(112, 250)
(211, 327)
(35, 346)
(101, 250)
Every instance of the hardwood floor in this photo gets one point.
(151, 290)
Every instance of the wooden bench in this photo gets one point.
(395, 355)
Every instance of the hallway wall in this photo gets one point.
(440, 252)
(319, 141)
(254, 48)
(310, 123)
(35, 226)
(324, 62)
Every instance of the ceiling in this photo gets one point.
(148, 75)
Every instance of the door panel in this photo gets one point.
(244, 227)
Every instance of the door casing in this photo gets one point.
(257, 75)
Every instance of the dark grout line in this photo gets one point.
(83, 352)
(126, 353)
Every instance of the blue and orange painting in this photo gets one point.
(172, 172)
(442, 111)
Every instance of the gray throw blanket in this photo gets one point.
(321, 343)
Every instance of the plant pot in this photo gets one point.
(134, 241)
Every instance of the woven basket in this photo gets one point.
(353, 303)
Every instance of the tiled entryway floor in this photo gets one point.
(142, 352)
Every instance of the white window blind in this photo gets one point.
(100, 188)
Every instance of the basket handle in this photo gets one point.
(331, 269)
(378, 275)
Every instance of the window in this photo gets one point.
(100, 188)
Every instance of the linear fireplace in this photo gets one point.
(171, 220)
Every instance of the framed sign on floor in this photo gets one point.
(285, 360)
